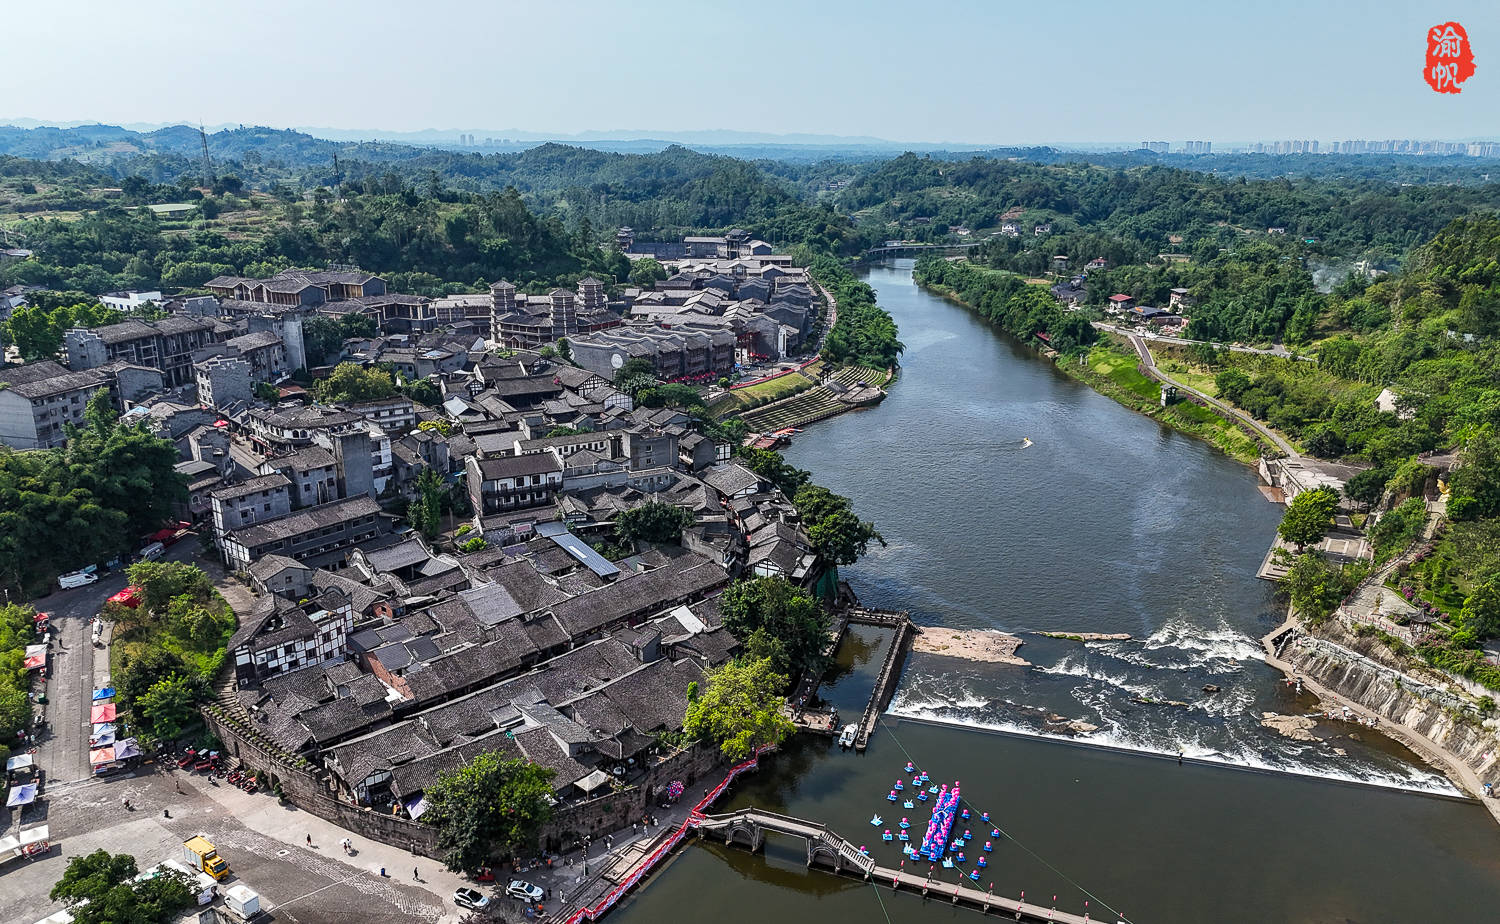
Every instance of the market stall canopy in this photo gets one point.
(22, 795)
(35, 835)
(101, 756)
(415, 807)
(127, 748)
(102, 713)
(103, 693)
(103, 727)
(100, 739)
(36, 656)
(19, 762)
(593, 781)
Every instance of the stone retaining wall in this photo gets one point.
(307, 789)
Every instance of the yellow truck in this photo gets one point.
(199, 853)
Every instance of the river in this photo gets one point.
(1106, 522)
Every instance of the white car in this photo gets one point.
(76, 579)
(470, 898)
(524, 890)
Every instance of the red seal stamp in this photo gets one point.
(1450, 59)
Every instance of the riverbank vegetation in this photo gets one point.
(864, 333)
(1027, 312)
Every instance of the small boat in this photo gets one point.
(908, 849)
(947, 863)
(900, 785)
(934, 789)
(887, 835)
(910, 768)
(922, 796)
(876, 820)
(995, 833)
(924, 777)
(864, 850)
(846, 737)
(985, 817)
(974, 875)
(987, 848)
(964, 814)
(967, 835)
(982, 862)
(961, 857)
(907, 804)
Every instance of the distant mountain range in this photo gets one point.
(151, 135)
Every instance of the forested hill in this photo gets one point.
(1161, 208)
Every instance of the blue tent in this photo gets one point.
(103, 693)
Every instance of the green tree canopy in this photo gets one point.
(777, 620)
(1308, 517)
(1475, 485)
(1368, 486)
(646, 272)
(740, 710)
(491, 807)
(351, 382)
(426, 512)
(773, 467)
(653, 522)
(1481, 612)
(100, 888)
(1316, 586)
(62, 509)
(168, 707)
(838, 535)
(37, 331)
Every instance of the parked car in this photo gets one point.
(471, 898)
(76, 579)
(521, 889)
(153, 551)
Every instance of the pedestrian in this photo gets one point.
(1179, 758)
(309, 840)
(414, 874)
(382, 872)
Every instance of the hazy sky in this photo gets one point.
(987, 71)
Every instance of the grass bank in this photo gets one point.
(1110, 370)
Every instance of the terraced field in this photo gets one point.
(811, 405)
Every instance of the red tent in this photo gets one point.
(105, 712)
(130, 596)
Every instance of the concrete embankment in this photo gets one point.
(1412, 706)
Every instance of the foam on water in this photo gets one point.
(1411, 780)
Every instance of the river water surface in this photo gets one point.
(1106, 522)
